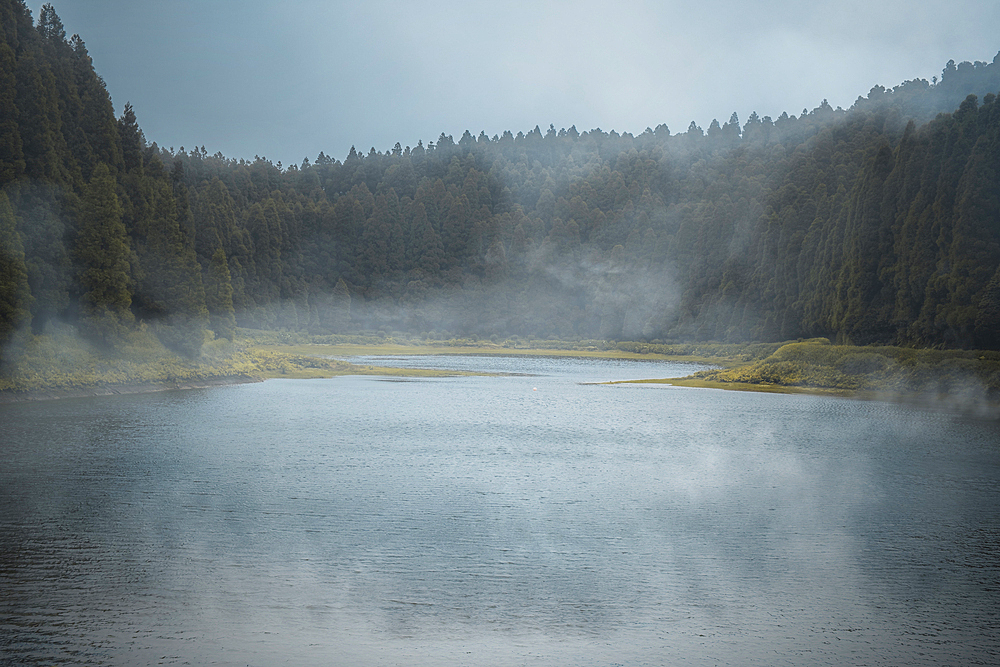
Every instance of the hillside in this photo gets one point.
(875, 224)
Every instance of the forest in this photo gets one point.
(877, 224)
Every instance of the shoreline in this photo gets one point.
(122, 389)
(324, 350)
(297, 365)
(950, 403)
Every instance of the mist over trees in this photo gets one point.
(875, 224)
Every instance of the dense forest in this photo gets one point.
(875, 224)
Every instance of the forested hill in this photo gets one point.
(880, 223)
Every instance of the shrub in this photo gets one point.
(863, 363)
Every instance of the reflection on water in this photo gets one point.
(495, 521)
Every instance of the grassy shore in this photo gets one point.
(813, 366)
(961, 379)
(699, 383)
(60, 364)
(717, 354)
(801, 367)
(395, 349)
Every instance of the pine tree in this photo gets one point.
(339, 315)
(12, 162)
(131, 139)
(102, 255)
(97, 119)
(170, 292)
(49, 25)
(219, 296)
(373, 260)
(424, 252)
(39, 121)
(16, 28)
(15, 297)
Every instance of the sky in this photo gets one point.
(286, 80)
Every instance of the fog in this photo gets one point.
(563, 297)
(497, 520)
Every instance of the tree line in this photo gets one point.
(875, 224)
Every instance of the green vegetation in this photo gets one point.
(62, 363)
(816, 365)
(399, 343)
(874, 225)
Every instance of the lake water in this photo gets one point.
(520, 520)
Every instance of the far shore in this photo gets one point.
(395, 349)
(934, 400)
(334, 362)
(731, 368)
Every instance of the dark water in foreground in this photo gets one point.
(496, 521)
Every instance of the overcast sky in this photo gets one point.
(289, 79)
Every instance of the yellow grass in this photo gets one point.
(739, 386)
(341, 351)
(54, 365)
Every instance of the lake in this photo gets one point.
(526, 519)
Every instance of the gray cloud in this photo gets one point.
(288, 80)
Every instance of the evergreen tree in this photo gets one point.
(12, 162)
(97, 127)
(39, 121)
(339, 313)
(170, 291)
(49, 25)
(15, 297)
(850, 224)
(424, 251)
(131, 139)
(101, 250)
(219, 296)
(40, 215)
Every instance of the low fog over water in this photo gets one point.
(533, 515)
(497, 521)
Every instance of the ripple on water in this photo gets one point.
(479, 521)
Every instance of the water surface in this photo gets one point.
(528, 519)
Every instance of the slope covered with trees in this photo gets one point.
(876, 224)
